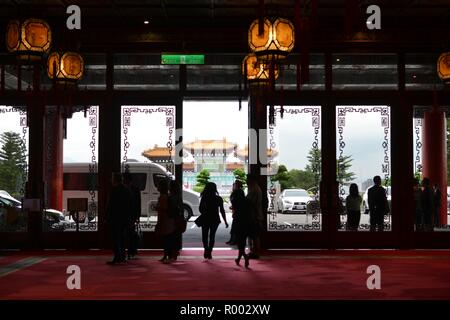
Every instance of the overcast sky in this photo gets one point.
(363, 134)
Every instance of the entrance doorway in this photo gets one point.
(215, 149)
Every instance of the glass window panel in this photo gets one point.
(363, 152)
(13, 168)
(288, 75)
(439, 219)
(79, 176)
(421, 72)
(294, 158)
(144, 72)
(365, 71)
(148, 149)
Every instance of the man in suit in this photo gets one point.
(378, 205)
(117, 216)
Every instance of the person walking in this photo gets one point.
(237, 185)
(353, 206)
(135, 215)
(378, 205)
(210, 205)
(254, 196)
(242, 221)
(117, 217)
(176, 212)
(165, 227)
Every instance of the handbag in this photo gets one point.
(199, 221)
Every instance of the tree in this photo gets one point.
(202, 178)
(240, 175)
(303, 179)
(13, 162)
(315, 164)
(344, 164)
(283, 178)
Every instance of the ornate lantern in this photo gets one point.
(276, 41)
(443, 67)
(30, 40)
(65, 68)
(257, 71)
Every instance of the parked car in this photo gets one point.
(366, 203)
(11, 215)
(293, 201)
(146, 176)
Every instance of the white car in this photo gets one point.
(366, 197)
(293, 201)
(11, 214)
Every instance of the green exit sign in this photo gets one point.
(182, 59)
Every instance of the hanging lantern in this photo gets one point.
(256, 70)
(65, 68)
(29, 40)
(276, 40)
(443, 67)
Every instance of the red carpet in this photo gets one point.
(287, 275)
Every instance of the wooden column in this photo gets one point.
(108, 149)
(329, 184)
(402, 166)
(434, 154)
(54, 157)
(257, 143)
(35, 184)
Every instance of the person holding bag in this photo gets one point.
(210, 205)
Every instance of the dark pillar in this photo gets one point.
(35, 184)
(434, 154)
(257, 142)
(328, 183)
(108, 149)
(402, 168)
(54, 157)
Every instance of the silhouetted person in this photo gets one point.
(353, 206)
(135, 215)
(176, 212)
(165, 226)
(378, 205)
(418, 204)
(237, 185)
(427, 200)
(254, 195)
(437, 206)
(210, 205)
(117, 216)
(242, 220)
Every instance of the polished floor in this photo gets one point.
(278, 275)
